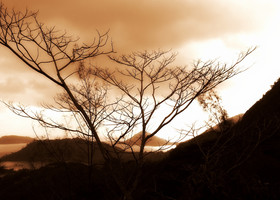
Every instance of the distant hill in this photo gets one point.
(58, 150)
(14, 139)
(154, 141)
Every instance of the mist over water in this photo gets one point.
(18, 165)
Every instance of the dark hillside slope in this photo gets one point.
(240, 162)
(259, 132)
(50, 151)
(267, 106)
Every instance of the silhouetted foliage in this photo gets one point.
(217, 167)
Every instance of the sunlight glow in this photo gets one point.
(238, 94)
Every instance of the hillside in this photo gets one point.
(238, 162)
(14, 139)
(59, 150)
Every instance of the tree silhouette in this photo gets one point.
(143, 82)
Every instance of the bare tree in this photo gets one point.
(50, 52)
(144, 83)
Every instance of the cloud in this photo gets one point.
(153, 24)
(28, 90)
(197, 27)
(11, 86)
(44, 91)
(135, 25)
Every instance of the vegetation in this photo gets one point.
(226, 162)
(142, 83)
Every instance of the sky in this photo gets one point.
(196, 29)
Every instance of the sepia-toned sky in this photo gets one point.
(196, 29)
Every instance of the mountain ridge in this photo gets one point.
(15, 139)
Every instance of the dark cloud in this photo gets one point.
(152, 24)
(134, 25)
(184, 25)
